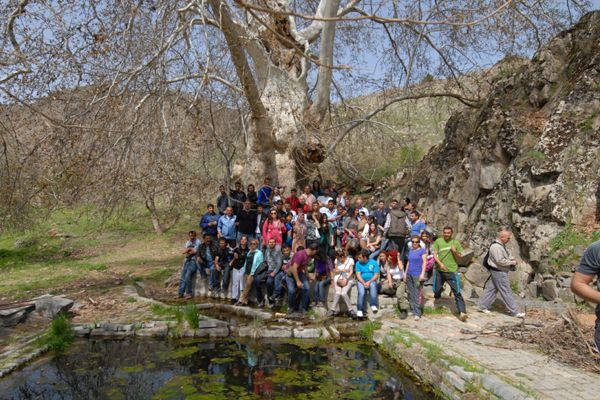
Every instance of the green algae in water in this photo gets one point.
(178, 353)
(222, 360)
(214, 369)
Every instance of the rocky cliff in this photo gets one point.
(529, 158)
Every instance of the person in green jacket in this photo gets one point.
(447, 252)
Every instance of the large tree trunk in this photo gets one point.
(276, 141)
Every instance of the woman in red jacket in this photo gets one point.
(273, 228)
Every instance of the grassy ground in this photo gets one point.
(74, 249)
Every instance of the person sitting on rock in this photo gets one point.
(253, 260)
(343, 281)
(240, 254)
(221, 274)
(447, 252)
(580, 284)
(188, 273)
(391, 283)
(367, 275)
(297, 280)
(274, 259)
(500, 262)
(206, 257)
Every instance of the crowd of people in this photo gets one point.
(263, 247)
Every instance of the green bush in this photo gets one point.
(60, 334)
(190, 313)
(367, 330)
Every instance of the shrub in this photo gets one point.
(60, 334)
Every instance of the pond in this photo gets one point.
(223, 369)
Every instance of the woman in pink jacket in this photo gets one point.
(273, 228)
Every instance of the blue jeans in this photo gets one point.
(321, 290)
(274, 284)
(360, 301)
(292, 292)
(203, 266)
(188, 273)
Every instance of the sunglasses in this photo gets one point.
(415, 241)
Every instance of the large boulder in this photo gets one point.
(550, 289)
(477, 275)
(13, 316)
(50, 306)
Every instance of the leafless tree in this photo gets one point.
(279, 62)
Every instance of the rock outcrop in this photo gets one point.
(529, 158)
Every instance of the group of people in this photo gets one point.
(263, 246)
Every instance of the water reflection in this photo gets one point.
(147, 369)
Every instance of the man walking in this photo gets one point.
(500, 261)
(188, 272)
(580, 284)
(447, 252)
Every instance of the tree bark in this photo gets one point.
(151, 207)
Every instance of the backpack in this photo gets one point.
(486, 258)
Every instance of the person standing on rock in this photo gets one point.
(500, 262)
(447, 252)
(580, 284)
(226, 227)
(189, 267)
(395, 227)
(415, 276)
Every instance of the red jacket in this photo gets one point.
(273, 230)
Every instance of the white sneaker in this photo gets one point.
(359, 314)
(417, 318)
(374, 309)
(484, 310)
(519, 315)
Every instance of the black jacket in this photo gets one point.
(213, 251)
(247, 222)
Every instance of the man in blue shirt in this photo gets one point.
(226, 228)
(416, 225)
(265, 193)
(367, 275)
(209, 221)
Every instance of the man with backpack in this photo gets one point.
(499, 262)
(447, 252)
(395, 227)
(580, 284)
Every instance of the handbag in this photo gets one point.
(317, 234)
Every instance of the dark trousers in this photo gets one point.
(439, 278)
(395, 243)
(293, 291)
(415, 294)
